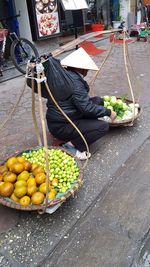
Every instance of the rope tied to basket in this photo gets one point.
(44, 138)
(42, 78)
(91, 83)
(127, 72)
(33, 112)
(126, 62)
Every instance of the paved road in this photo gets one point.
(107, 223)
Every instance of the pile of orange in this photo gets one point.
(24, 182)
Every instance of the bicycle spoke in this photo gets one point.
(22, 51)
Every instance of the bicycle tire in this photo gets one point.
(21, 52)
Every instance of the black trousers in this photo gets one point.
(92, 130)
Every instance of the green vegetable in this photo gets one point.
(123, 110)
(106, 98)
(110, 107)
(113, 101)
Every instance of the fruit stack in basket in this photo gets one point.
(23, 178)
(124, 110)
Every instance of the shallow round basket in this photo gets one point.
(128, 122)
(58, 200)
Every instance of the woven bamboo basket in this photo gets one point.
(6, 201)
(128, 122)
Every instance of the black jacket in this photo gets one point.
(78, 106)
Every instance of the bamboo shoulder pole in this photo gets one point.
(33, 112)
(45, 142)
(79, 40)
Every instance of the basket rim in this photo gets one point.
(9, 203)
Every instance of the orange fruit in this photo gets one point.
(37, 198)
(25, 201)
(3, 169)
(31, 181)
(37, 170)
(51, 187)
(4, 173)
(20, 191)
(1, 177)
(6, 189)
(42, 188)
(20, 183)
(52, 194)
(31, 189)
(11, 161)
(1, 183)
(23, 176)
(40, 178)
(33, 166)
(21, 159)
(31, 175)
(10, 177)
(14, 198)
(17, 167)
(27, 165)
(55, 182)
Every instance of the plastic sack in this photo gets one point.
(59, 80)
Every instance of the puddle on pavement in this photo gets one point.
(145, 255)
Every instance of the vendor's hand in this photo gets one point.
(113, 115)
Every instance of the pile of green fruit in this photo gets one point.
(124, 111)
(63, 169)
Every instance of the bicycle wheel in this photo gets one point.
(21, 52)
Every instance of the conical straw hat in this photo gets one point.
(79, 59)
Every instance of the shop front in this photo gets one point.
(40, 23)
(43, 21)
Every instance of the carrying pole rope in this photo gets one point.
(44, 131)
(127, 72)
(45, 145)
(91, 83)
(126, 56)
(43, 77)
(33, 111)
(44, 140)
(136, 80)
(71, 122)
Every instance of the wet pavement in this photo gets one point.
(110, 231)
(9, 218)
(107, 223)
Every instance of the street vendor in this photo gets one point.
(80, 108)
